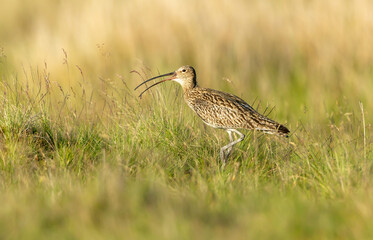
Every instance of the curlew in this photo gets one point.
(219, 109)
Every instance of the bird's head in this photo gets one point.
(185, 76)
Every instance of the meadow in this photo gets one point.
(82, 157)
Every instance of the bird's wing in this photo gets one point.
(220, 109)
(235, 99)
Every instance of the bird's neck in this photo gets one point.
(189, 87)
(190, 92)
(189, 83)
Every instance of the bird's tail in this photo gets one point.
(273, 127)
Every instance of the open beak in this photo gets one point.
(172, 74)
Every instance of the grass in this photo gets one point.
(81, 157)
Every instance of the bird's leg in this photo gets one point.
(231, 140)
(226, 150)
(230, 145)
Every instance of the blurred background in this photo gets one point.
(82, 157)
(299, 56)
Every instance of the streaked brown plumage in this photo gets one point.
(219, 109)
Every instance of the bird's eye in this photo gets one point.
(183, 70)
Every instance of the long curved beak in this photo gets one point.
(172, 74)
(163, 75)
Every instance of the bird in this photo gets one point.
(219, 109)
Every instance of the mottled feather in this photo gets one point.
(223, 110)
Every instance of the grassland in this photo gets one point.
(83, 158)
